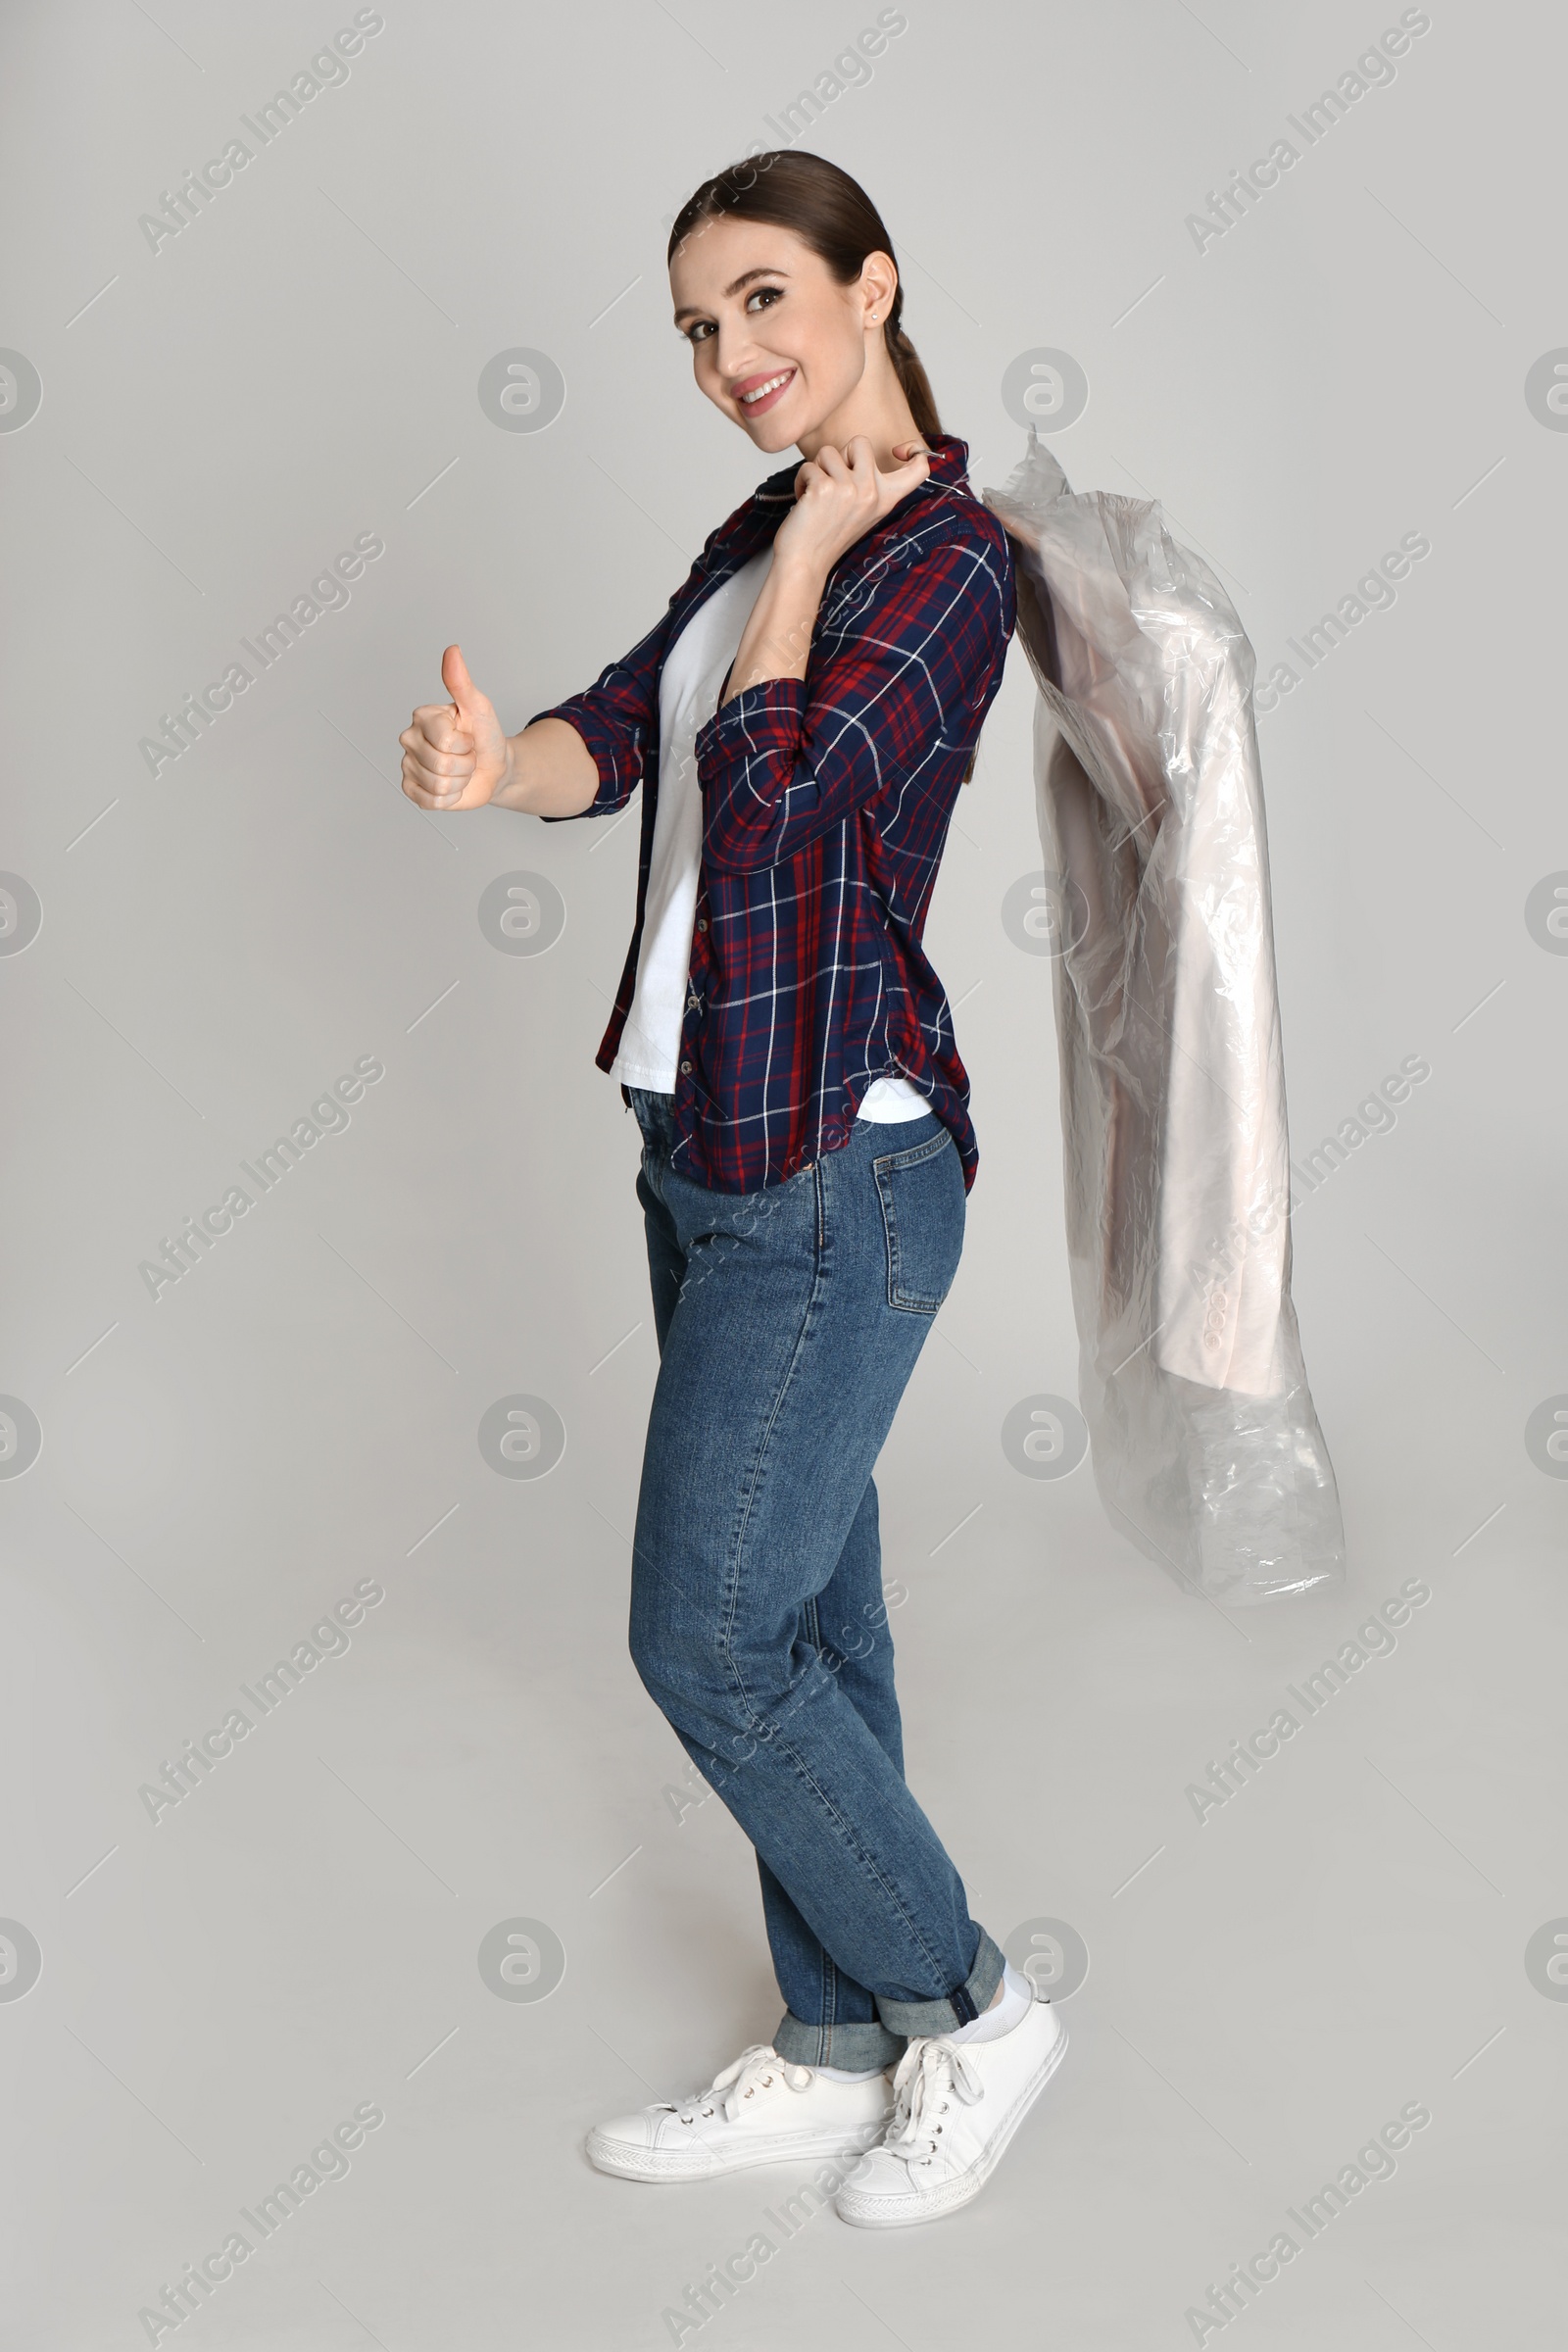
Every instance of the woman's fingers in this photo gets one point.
(432, 769)
(432, 792)
(438, 725)
(454, 758)
(420, 797)
(438, 757)
(437, 774)
(437, 788)
(841, 494)
(419, 787)
(905, 477)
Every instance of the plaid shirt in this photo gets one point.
(825, 807)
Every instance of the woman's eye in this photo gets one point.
(705, 329)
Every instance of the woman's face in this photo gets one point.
(777, 343)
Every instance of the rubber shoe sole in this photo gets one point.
(628, 2162)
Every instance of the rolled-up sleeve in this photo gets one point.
(614, 718)
(898, 677)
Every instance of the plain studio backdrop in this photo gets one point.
(454, 1876)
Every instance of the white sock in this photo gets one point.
(846, 2074)
(1017, 1998)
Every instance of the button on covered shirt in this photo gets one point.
(825, 803)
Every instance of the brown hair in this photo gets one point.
(833, 215)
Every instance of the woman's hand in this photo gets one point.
(839, 499)
(455, 755)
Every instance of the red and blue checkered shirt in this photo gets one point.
(826, 805)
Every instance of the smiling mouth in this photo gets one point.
(763, 395)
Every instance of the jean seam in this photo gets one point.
(914, 1153)
(827, 1993)
(753, 1481)
(873, 1877)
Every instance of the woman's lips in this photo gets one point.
(780, 382)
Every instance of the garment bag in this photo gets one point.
(1206, 1446)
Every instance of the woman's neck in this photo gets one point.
(887, 422)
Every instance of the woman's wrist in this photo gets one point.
(505, 790)
(549, 770)
(801, 573)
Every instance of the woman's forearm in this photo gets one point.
(777, 638)
(550, 771)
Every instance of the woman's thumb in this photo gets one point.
(458, 683)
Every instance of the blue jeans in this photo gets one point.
(789, 1321)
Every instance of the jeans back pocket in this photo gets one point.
(921, 1191)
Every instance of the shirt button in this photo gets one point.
(685, 1065)
(701, 923)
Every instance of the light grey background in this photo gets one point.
(298, 1413)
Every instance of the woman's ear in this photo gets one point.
(879, 281)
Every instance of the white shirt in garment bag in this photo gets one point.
(695, 666)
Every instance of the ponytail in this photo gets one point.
(912, 376)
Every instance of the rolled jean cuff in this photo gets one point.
(858, 2048)
(960, 2008)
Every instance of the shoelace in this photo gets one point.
(756, 2067)
(929, 2069)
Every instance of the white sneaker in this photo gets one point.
(761, 2110)
(956, 2107)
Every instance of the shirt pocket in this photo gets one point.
(922, 1218)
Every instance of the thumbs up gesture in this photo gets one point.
(455, 755)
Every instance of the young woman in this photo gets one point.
(800, 721)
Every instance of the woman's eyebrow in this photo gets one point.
(691, 309)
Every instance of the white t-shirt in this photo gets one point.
(695, 666)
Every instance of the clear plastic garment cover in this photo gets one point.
(1205, 1444)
